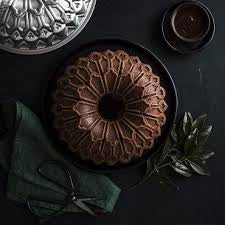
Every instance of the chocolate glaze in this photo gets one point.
(191, 21)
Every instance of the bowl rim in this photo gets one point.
(193, 51)
(174, 14)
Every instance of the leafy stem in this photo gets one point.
(184, 151)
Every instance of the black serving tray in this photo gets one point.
(146, 56)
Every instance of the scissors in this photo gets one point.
(69, 186)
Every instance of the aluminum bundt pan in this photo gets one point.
(31, 27)
(145, 56)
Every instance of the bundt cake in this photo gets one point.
(108, 107)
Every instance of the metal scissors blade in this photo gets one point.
(83, 206)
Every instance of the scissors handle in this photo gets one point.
(72, 196)
(68, 176)
(38, 210)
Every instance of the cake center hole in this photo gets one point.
(111, 107)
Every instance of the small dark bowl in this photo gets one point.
(202, 10)
(178, 45)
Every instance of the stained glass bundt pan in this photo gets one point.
(99, 119)
(39, 26)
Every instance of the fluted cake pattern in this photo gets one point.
(80, 124)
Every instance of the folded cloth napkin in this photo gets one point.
(24, 145)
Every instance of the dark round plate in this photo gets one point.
(175, 43)
(147, 57)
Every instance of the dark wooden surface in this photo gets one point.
(201, 200)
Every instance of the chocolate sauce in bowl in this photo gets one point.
(191, 22)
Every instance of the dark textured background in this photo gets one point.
(201, 200)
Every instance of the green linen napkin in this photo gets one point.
(24, 145)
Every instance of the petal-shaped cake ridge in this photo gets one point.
(83, 108)
(110, 78)
(98, 85)
(140, 107)
(88, 122)
(99, 130)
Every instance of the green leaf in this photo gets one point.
(182, 169)
(191, 142)
(201, 155)
(187, 123)
(207, 155)
(174, 134)
(190, 117)
(187, 137)
(199, 167)
(176, 153)
(199, 122)
(206, 131)
(204, 135)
